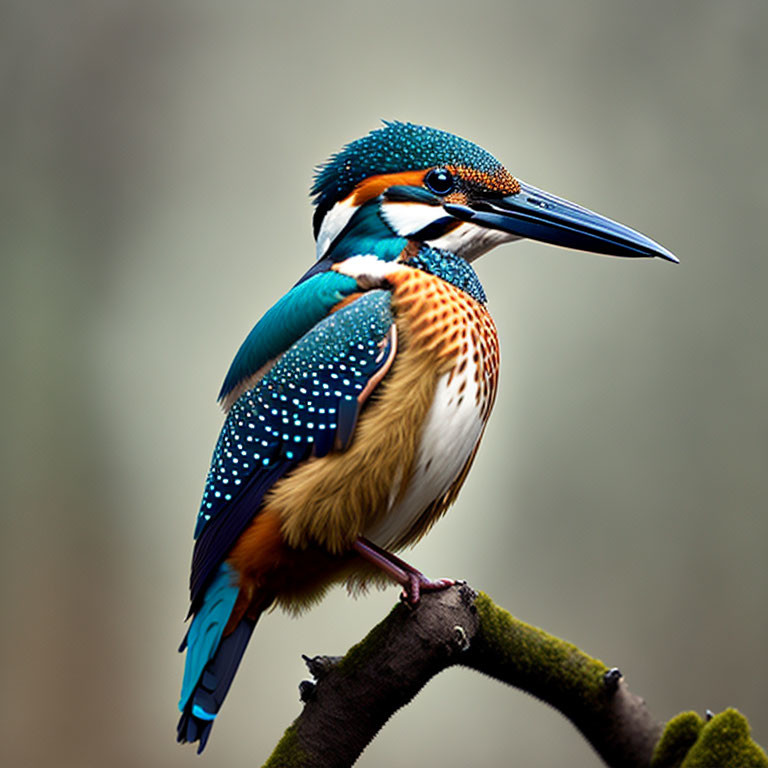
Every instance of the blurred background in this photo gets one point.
(156, 159)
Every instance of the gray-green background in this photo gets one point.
(156, 158)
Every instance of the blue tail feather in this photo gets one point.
(212, 659)
(205, 700)
(207, 627)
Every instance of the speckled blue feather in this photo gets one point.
(395, 147)
(295, 406)
(451, 268)
(306, 403)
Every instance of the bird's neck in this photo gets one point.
(369, 233)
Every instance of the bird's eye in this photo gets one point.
(439, 181)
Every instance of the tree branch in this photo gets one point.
(355, 695)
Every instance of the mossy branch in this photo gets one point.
(354, 696)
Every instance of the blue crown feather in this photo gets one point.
(395, 147)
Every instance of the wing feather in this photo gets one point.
(305, 305)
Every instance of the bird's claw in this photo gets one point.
(418, 583)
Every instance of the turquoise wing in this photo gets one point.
(305, 305)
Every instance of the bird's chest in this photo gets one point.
(452, 339)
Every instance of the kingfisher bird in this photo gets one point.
(355, 406)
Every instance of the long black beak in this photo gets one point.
(540, 216)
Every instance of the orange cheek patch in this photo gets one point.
(501, 181)
(374, 186)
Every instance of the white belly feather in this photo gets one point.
(450, 433)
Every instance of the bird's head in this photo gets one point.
(406, 183)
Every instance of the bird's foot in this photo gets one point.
(413, 581)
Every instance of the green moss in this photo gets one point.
(533, 654)
(678, 738)
(689, 742)
(288, 752)
(725, 741)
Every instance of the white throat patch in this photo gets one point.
(471, 240)
(407, 219)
